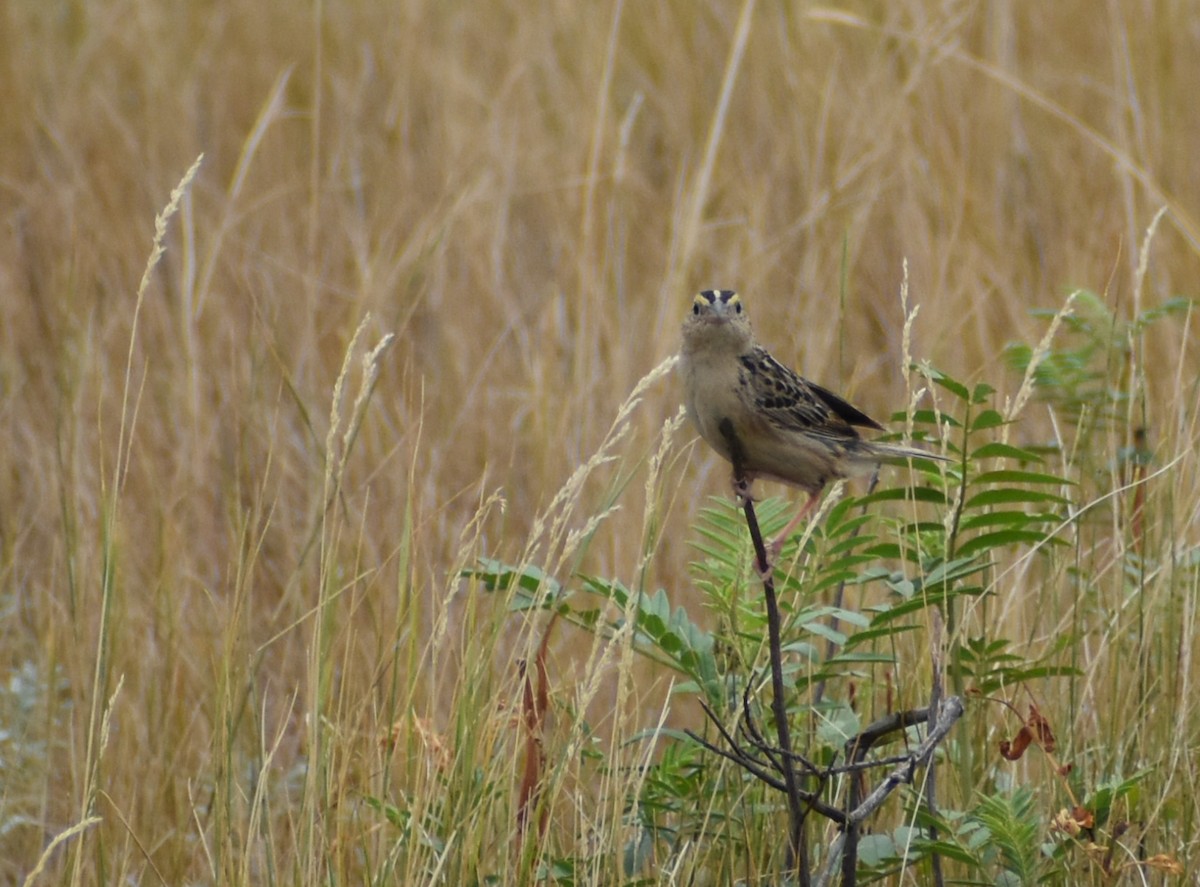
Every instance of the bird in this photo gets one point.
(752, 409)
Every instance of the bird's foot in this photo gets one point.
(766, 574)
(773, 549)
(741, 491)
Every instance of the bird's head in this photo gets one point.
(717, 319)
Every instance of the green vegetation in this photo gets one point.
(350, 531)
(998, 510)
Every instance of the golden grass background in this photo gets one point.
(525, 195)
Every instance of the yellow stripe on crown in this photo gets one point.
(711, 297)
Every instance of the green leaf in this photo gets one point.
(905, 494)
(1176, 305)
(958, 389)
(838, 724)
(840, 514)
(1016, 830)
(806, 651)
(847, 545)
(997, 450)
(1107, 793)
(866, 658)
(987, 541)
(1024, 675)
(1009, 496)
(987, 419)
(946, 849)
(721, 556)
(873, 634)
(1014, 476)
(529, 581)
(891, 551)
(928, 417)
(980, 393)
(952, 571)
(920, 602)
(826, 580)
(666, 636)
(499, 576)
(1006, 518)
(820, 629)
(1017, 354)
(851, 616)
(875, 850)
(639, 850)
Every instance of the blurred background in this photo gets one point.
(525, 195)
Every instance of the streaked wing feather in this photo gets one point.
(851, 414)
(795, 404)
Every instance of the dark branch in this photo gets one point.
(952, 710)
(797, 809)
(844, 848)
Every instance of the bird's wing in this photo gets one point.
(795, 404)
(850, 414)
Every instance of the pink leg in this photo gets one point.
(775, 547)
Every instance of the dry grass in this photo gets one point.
(230, 612)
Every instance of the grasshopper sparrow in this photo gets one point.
(784, 427)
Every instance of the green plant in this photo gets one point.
(1091, 375)
(942, 552)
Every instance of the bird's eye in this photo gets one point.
(696, 309)
(738, 308)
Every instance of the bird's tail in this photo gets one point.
(894, 453)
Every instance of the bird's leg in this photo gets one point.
(741, 491)
(777, 545)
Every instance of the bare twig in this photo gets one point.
(844, 847)
(952, 710)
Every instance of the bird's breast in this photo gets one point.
(714, 395)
